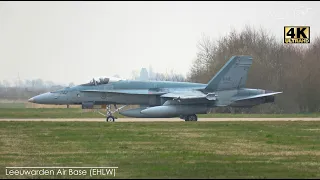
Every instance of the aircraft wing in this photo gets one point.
(127, 91)
(256, 96)
(189, 95)
(177, 97)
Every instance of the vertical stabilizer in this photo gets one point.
(232, 75)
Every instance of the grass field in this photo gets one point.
(4, 103)
(79, 113)
(23, 109)
(167, 150)
(13, 105)
(47, 113)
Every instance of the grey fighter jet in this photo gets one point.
(165, 99)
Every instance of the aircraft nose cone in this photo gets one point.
(44, 98)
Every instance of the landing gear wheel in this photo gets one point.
(192, 117)
(110, 119)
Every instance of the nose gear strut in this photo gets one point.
(109, 117)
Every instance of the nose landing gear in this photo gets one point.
(110, 119)
(109, 116)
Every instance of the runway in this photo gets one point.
(159, 119)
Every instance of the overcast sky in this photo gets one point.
(74, 41)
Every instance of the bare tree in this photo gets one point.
(276, 66)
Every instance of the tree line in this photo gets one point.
(293, 69)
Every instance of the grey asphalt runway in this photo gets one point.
(162, 119)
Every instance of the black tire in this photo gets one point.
(192, 117)
(110, 119)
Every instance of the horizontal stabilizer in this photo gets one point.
(257, 96)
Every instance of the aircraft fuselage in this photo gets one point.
(75, 95)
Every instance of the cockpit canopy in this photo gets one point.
(102, 80)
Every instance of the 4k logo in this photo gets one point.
(297, 34)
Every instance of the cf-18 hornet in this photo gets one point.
(165, 99)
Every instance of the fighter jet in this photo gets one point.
(165, 99)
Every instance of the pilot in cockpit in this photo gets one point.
(101, 80)
(93, 82)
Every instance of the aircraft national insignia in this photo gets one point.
(227, 78)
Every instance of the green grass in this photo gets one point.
(224, 115)
(167, 150)
(79, 113)
(47, 113)
(12, 105)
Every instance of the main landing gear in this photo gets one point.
(191, 117)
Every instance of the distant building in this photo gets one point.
(144, 75)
